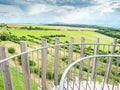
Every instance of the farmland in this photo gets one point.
(90, 35)
(33, 35)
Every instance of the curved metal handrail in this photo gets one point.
(61, 87)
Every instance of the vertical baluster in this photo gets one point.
(56, 61)
(82, 54)
(44, 63)
(95, 61)
(25, 65)
(6, 69)
(70, 53)
(96, 51)
(110, 61)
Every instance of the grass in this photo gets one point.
(18, 81)
(89, 35)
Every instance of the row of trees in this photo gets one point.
(36, 28)
(3, 25)
(111, 33)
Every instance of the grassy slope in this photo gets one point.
(18, 82)
(89, 35)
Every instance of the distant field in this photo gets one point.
(89, 34)
(72, 28)
(33, 36)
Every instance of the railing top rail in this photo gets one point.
(72, 64)
(51, 46)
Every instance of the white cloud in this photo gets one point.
(104, 8)
(11, 9)
(54, 13)
(107, 6)
(37, 9)
(75, 15)
(10, 13)
(53, 1)
(98, 12)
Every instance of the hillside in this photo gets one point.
(34, 33)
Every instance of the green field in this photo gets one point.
(33, 37)
(89, 35)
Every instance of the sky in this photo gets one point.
(97, 12)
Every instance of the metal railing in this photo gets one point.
(72, 79)
(42, 68)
